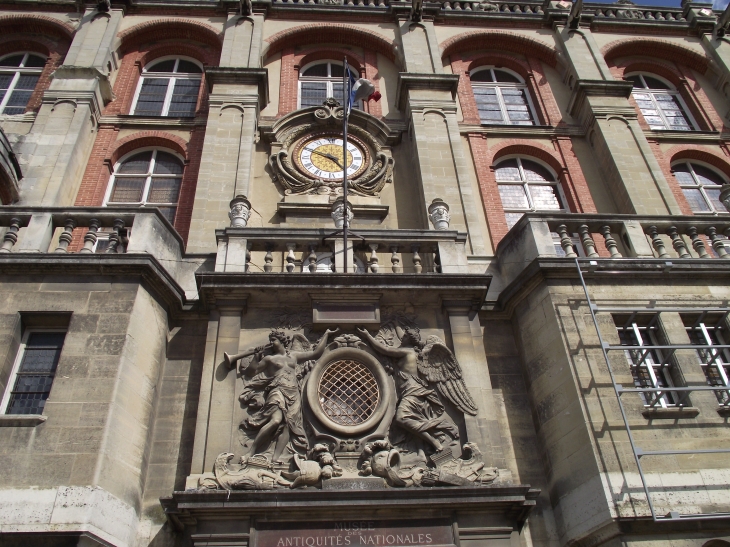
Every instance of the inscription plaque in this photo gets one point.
(356, 533)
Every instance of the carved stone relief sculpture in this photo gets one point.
(351, 406)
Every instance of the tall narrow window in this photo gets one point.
(150, 178)
(660, 104)
(715, 362)
(320, 81)
(33, 373)
(168, 87)
(19, 74)
(525, 185)
(649, 367)
(701, 186)
(501, 97)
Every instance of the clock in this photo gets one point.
(321, 157)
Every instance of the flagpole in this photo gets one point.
(346, 98)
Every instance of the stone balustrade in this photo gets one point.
(304, 250)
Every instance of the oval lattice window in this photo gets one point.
(348, 392)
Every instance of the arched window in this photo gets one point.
(525, 185)
(701, 186)
(168, 87)
(502, 97)
(19, 74)
(660, 104)
(151, 178)
(319, 81)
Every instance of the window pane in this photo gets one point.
(338, 71)
(536, 172)
(696, 201)
(162, 66)
(27, 403)
(635, 80)
(127, 190)
(313, 93)
(707, 176)
(513, 196)
(683, 175)
(482, 76)
(167, 164)
(337, 92)
(169, 213)
(151, 97)
(512, 218)
(654, 83)
(35, 375)
(184, 98)
(673, 112)
(316, 70)
(503, 76)
(488, 104)
(188, 67)
(21, 94)
(13, 60)
(137, 164)
(164, 190)
(545, 197)
(35, 61)
(508, 171)
(714, 196)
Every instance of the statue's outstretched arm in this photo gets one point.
(382, 348)
(317, 352)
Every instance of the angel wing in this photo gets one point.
(439, 366)
(299, 342)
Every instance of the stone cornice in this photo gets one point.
(240, 76)
(412, 81)
(596, 88)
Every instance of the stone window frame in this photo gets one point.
(723, 179)
(330, 80)
(171, 77)
(148, 181)
(673, 91)
(712, 331)
(534, 120)
(20, 354)
(17, 73)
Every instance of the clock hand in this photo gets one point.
(329, 157)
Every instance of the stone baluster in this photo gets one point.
(114, 237)
(395, 260)
(373, 262)
(290, 257)
(437, 261)
(91, 237)
(565, 242)
(11, 236)
(610, 242)
(64, 240)
(697, 243)
(718, 242)
(268, 259)
(312, 258)
(248, 257)
(657, 242)
(417, 267)
(678, 242)
(588, 244)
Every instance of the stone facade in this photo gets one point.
(537, 189)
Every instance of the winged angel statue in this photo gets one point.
(420, 410)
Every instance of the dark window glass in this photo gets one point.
(184, 98)
(152, 97)
(167, 164)
(482, 76)
(188, 67)
(503, 76)
(314, 93)
(127, 190)
(35, 374)
(317, 70)
(34, 61)
(163, 66)
(164, 190)
(338, 71)
(137, 164)
(13, 60)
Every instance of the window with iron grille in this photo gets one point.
(19, 74)
(150, 178)
(32, 377)
(502, 97)
(525, 185)
(650, 367)
(320, 81)
(168, 87)
(661, 105)
(715, 362)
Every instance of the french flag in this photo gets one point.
(360, 89)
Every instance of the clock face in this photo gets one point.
(321, 157)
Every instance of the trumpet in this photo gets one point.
(231, 359)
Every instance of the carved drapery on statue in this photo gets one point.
(353, 405)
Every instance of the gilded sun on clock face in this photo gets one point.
(322, 156)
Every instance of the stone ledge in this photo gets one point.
(724, 411)
(21, 420)
(597, 88)
(439, 82)
(240, 76)
(324, 210)
(672, 413)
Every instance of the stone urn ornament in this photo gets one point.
(439, 214)
(240, 211)
(338, 213)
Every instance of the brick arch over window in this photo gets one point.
(331, 34)
(701, 154)
(36, 24)
(292, 62)
(659, 49)
(681, 77)
(500, 40)
(108, 150)
(169, 29)
(562, 160)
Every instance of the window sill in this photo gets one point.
(672, 413)
(21, 420)
(724, 411)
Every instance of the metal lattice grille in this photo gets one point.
(348, 392)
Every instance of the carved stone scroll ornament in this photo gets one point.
(369, 181)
